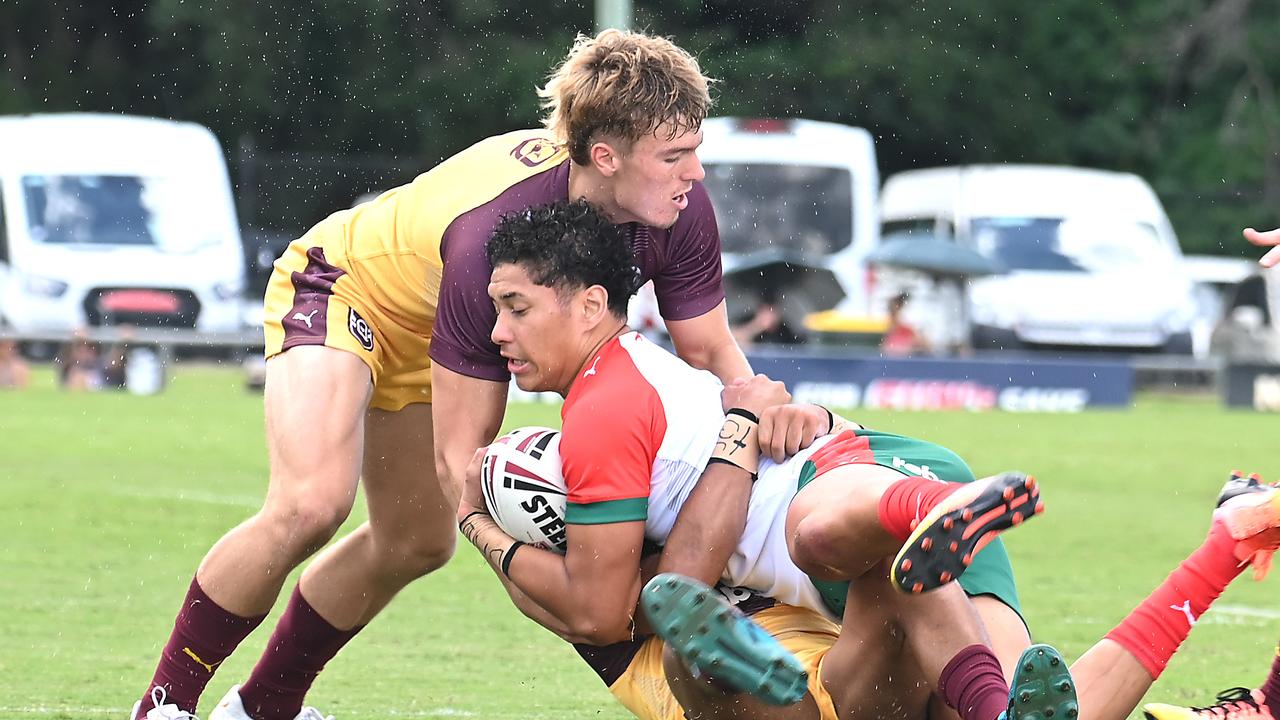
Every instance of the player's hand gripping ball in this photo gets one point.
(524, 487)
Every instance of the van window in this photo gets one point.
(804, 209)
(111, 210)
(919, 226)
(1071, 245)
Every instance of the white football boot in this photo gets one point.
(161, 711)
(231, 707)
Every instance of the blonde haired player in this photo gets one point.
(380, 366)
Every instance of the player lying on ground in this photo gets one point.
(640, 426)
(1110, 678)
(557, 329)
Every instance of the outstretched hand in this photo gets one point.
(1270, 238)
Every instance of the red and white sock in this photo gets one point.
(1155, 629)
(908, 500)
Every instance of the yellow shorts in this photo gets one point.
(317, 297)
(643, 688)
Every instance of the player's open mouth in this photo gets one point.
(515, 367)
(681, 201)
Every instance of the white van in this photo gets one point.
(1091, 258)
(794, 193)
(108, 219)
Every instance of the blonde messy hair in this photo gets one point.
(623, 85)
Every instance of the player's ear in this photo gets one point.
(604, 158)
(595, 304)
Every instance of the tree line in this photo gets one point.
(1182, 92)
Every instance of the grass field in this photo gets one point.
(109, 501)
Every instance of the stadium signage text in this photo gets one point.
(1014, 385)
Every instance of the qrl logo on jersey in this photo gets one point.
(535, 151)
(360, 329)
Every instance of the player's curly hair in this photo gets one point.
(623, 85)
(568, 245)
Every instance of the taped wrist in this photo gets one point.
(508, 555)
(737, 444)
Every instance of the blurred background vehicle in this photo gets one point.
(112, 220)
(796, 204)
(1249, 328)
(1091, 259)
(1214, 280)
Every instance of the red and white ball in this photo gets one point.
(524, 486)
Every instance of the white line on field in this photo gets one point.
(1218, 614)
(1244, 611)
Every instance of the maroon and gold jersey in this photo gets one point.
(408, 276)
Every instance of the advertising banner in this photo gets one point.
(1020, 384)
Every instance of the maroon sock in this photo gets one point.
(973, 684)
(1271, 688)
(908, 500)
(203, 636)
(298, 650)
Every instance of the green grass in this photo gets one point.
(109, 501)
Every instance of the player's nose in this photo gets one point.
(696, 171)
(500, 334)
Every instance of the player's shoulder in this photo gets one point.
(487, 168)
(519, 152)
(612, 384)
(636, 378)
(614, 369)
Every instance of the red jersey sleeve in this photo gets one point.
(613, 425)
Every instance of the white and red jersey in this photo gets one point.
(638, 426)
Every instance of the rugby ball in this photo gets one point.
(524, 487)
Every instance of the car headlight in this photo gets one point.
(43, 286)
(228, 289)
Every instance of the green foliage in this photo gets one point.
(1182, 92)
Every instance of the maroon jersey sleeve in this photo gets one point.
(689, 283)
(460, 339)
